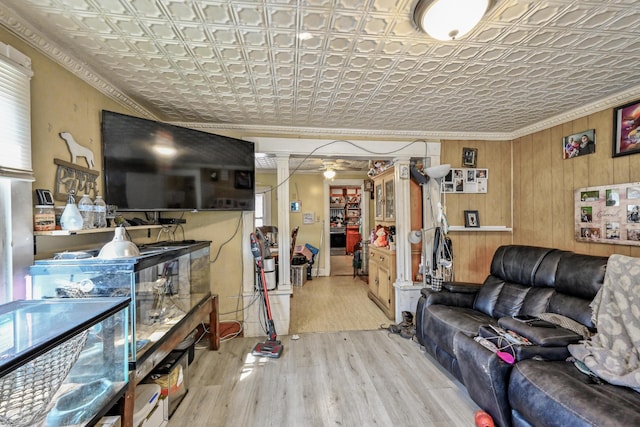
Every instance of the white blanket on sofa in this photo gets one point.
(613, 353)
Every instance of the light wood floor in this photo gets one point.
(342, 370)
(354, 378)
(331, 304)
(342, 265)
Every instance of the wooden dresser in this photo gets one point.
(382, 274)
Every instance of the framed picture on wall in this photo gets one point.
(579, 144)
(469, 156)
(471, 219)
(626, 129)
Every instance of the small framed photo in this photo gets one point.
(469, 156)
(626, 129)
(579, 144)
(368, 185)
(471, 219)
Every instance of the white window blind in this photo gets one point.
(15, 115)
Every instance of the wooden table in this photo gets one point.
(206, 311)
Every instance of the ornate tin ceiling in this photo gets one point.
(365, 68)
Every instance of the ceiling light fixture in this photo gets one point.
(449, 19)
(329, 173)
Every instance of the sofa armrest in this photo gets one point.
(539, 349)
(462, 287)
(544, 337)
(445, 297)
(485, 376)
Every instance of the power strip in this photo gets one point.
(171, 221)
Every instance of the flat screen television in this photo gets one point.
(154, 166)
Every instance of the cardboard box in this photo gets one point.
(172, 375)
(109, 421)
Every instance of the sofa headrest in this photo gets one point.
(580, 275)
(526, 265)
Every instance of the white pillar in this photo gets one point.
(402, 197)
(284, 232)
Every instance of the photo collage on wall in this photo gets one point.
(465, 180)
(608, 214)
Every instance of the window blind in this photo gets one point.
(15, 118)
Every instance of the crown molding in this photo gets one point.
(611, 101)
(326, 132)
(14, 23)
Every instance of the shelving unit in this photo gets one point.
(93, 230)
(498, 228)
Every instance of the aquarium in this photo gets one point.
(164, 283)
(62, 362)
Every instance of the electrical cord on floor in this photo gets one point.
(232, 335)
(197, 344)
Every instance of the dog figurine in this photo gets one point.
(77, 150)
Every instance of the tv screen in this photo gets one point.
(153, 166)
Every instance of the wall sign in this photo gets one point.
(72, 177)
(608, 214)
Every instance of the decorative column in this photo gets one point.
(280, 297)
(284, 232)
(404, 281)
(403, 219)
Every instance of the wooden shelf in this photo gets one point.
(91, 230)
(502, 228)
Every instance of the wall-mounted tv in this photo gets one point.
(153, 166)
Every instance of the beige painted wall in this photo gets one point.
(62, 102)
(308, 188)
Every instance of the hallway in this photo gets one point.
(335, 303)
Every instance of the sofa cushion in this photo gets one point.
(521, 280)
(558, 394)
(519, 264)
(580, 275)
(445, 321)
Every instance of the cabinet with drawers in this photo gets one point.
(382, 274)
(385, 212)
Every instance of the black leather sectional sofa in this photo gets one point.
(541, 388)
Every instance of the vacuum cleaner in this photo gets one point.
(271, 347)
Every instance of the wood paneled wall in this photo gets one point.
(473, 250)
(542, 201)
(544, 184)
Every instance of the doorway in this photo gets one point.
(347, 212)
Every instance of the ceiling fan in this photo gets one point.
(330, 166)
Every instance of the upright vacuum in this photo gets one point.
(271, 347)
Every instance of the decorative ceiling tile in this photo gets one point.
(345, 24)
(365, 60)
(216, 14)
(282, 18)
(313, 21)
(146, 8)
(541, 17)
(251, 16)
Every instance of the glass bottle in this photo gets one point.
(85, 206)
(100, 211)
(71, 218)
